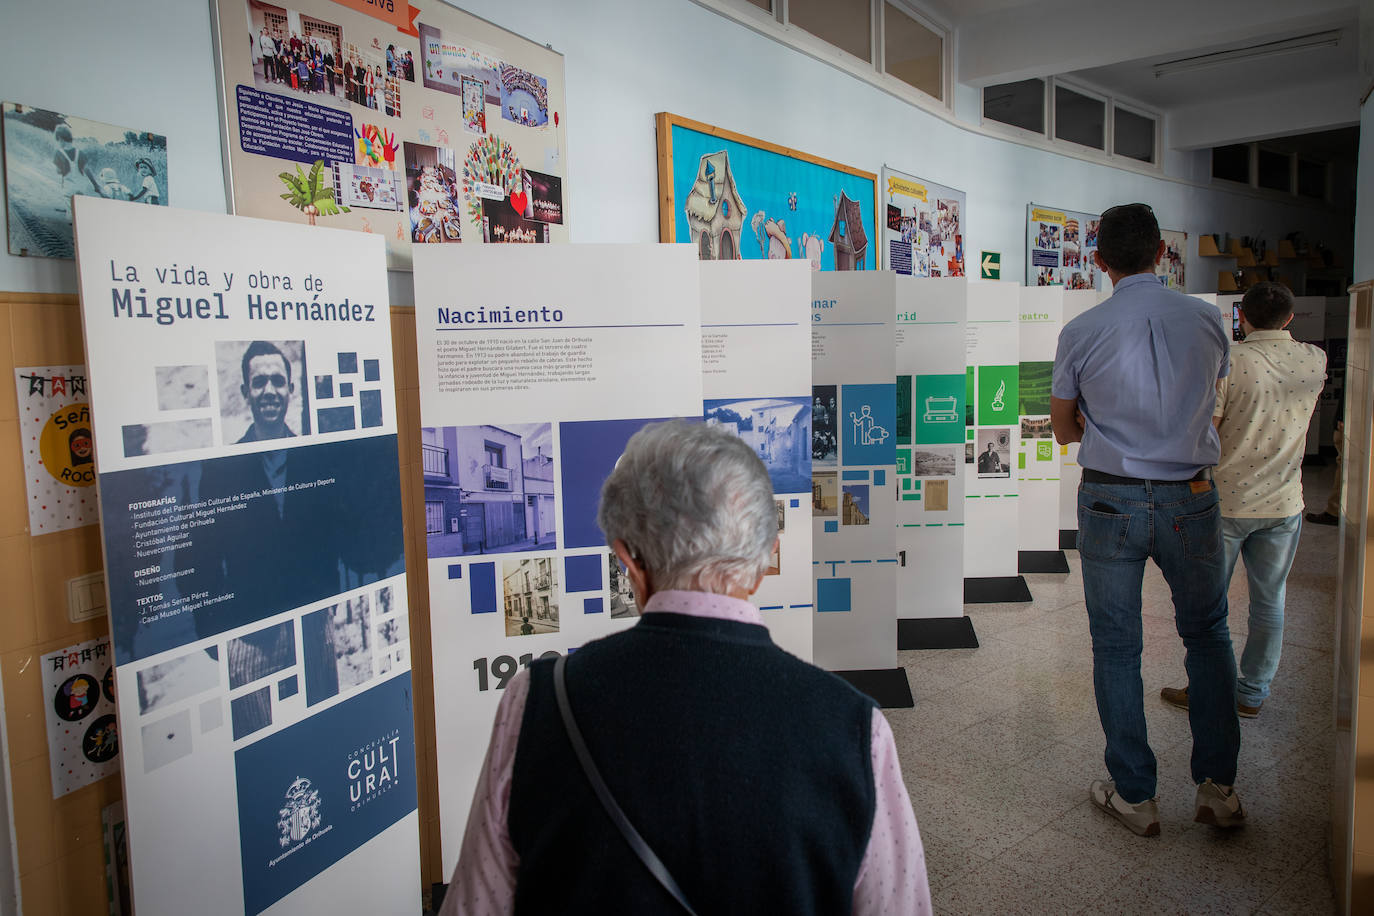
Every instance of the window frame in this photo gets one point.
(1108, 119)
(778, 27)
(1047, 140)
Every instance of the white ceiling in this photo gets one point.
(1114, 45)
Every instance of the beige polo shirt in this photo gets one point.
(1265, 405)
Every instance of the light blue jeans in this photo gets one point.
(1268, 546)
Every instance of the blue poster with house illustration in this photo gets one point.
(735, 201)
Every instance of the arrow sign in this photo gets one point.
(991, 265)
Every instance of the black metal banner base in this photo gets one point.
(1068, 540)
(996, 590)
(1041, 561)
(937, 633)
(888, 686)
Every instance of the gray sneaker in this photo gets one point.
(1218, 806)
(1141, 819)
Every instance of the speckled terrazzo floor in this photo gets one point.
(1004, 740)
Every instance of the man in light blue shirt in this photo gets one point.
(1135, 382)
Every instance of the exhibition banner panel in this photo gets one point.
(853, 469)
(1042, 317)
(243, 408)
(1075, 303)
(929, 337)
(756, 379)
(536, 368)
(432, 130)
(739, 198)
(992, 377)
(923, 226)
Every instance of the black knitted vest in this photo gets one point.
(745, 769)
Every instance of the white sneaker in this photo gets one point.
(1219, 806)
(1141, 819)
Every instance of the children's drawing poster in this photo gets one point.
(79, 704)
(738, 198)
(243, 408)
(923, 226)
(59, 450)
(1060, 246)
(423, 125)
(756, 379)
(529, 392)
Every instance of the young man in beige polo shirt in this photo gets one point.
(1263, 409)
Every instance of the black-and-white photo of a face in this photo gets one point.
(260, 389)
(267, 388)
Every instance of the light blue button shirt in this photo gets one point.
(1143, 367)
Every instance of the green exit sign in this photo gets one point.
(990, 267)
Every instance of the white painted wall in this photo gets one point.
(149, 64)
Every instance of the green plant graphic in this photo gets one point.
(309, 194)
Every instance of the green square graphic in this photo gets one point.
(906, 483)
(1034, 388)
(968, 436)
(938, 407)
(903, 460)
(1044, 451)
(997, 395)
(903, 410)
(1021, 460)
(915, 485)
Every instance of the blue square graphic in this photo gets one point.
(455, 570)
(584, 572)
(867, 424)
(324, 387)
(348, 363)
(832, 595)
(794, 503)
(370, 406)
(345, 389)
(287, 687)
(593, 606)
(334, 419)
(590, 450)
(372, 370)
(832, 526)
(880, 478)
(482, 587)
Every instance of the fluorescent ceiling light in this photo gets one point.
(1327, 39)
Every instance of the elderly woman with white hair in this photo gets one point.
(688, 762)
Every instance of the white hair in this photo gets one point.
(694, 504)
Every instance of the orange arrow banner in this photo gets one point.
(396, 12)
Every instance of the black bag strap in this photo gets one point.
(627, 830)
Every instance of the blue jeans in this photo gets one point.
(1120, 526)
(1268, 545)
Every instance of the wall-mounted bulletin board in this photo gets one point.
(738, 198)
(424, 125)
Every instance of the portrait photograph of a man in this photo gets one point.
(262, 391)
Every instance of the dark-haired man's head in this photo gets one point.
(1267, 306)
(1128, 240)
(267, 387)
